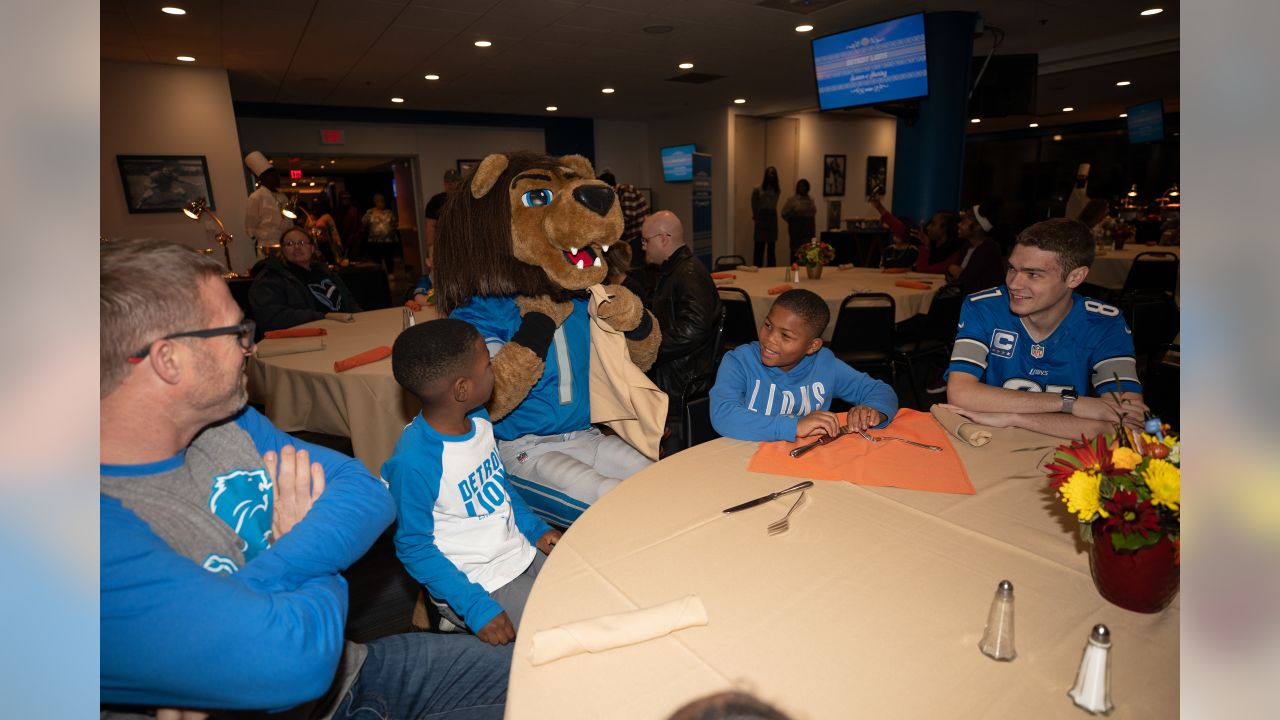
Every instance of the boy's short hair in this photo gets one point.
(425, 354)
(808, 306)
(618, 259)
(1071, 239)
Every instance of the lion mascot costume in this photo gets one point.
(519, 253)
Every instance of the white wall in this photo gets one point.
(855, 137)
(750, 139)
(623, 147)
(170, 110)
(711, 132)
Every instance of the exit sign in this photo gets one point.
(333, 137)
(295, 174)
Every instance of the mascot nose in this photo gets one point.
(597, 198)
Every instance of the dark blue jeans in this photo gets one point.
(425, 675)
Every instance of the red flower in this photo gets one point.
(1128, 515)
(1081, 455)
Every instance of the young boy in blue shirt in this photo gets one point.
(462, 532)
(780, 388)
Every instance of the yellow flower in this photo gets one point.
(1165, 482)
(1125, 458)
(1080, 493)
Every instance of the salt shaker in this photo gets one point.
(1092, 690)
(997, 638)
(408, 318)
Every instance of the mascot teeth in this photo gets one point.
(581, 257)
(596, 263)
(581, 264)
(605, 248)
(573, 250)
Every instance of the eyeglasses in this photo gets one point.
(295, 243)
(644, 239)
(245, 330)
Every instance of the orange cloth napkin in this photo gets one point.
(884, 464)
(913, 284)
(894, 271)
(294, 333)
(779, 289)
(364, 358)
(723, 276)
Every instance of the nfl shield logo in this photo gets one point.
(1037, 351)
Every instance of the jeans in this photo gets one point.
(425, 675)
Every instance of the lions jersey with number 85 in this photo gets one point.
(1090, 348)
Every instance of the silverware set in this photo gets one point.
(825, 439)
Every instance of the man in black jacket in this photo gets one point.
(687, 306)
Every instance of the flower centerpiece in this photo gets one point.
(815, 254)
(1126, 492)
(1113, 232)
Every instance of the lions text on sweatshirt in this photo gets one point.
(751, 401)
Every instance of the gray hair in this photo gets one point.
(148, 291)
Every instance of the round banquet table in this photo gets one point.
(872, 605)
(1110, 270)
(834, 286)
(302, 391)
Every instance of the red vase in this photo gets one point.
(1142, 580)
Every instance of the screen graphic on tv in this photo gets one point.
(873, 64)
(1146, 122)
(677, 163)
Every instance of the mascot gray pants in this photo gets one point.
(584, 464)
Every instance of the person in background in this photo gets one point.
(349, 227)
(325, 230)
(799, 211)
(982, 266)
(618, 259)
(1079, 197)
(293, 288)
(634, 210)
(452, 178)
(381, 238)
(764, 215)
(262, 217)
(938, 245)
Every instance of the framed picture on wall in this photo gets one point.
(466, 167)
(833, 215)
(833, 175)
(164, 183)
(648, 198)
(877, 174)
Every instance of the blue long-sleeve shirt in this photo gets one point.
(751, 401)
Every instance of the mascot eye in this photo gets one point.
(536, 198)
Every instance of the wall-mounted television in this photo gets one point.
(873, 64)
(677, 163)
(1146, 122)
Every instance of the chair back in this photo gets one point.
(865, 323)
(944, 315)
(729, 262)
(697, 422)
(1157, 271)
(739, 319)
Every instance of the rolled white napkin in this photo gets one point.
(289, 346)
(960, 427)
(340, 317)
(613, 631)
(748, 268)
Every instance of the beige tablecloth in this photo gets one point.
(302, 392)
(834, 286)
(1110, 270)
(872, 605)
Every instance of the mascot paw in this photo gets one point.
(645, 350)
(623, 311)
(557, 311)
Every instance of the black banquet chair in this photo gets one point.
(865, 337)
(1152, 272)
(729, 262)
(739, 319)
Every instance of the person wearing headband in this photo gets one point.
(982, 265)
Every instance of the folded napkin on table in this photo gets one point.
(722, 276)
(340, 317)
(884, 464)
(959, 427)
(913, 284)
(748, 268)
(614, 631)
(779, 289)
(845, 266)
(924, 276)
(894, 271)
(364, 358)
(294, 333)
(288, 346)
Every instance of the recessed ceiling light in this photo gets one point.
(739, 101)
(803, 28)
(1124, 114)
(552, 108)
(607, 91)
(186, 58)
(432, 76)
(685, 66)
(397, 100)
(1123, 83)
(1152, 11)
(975, 120)
(1057, 137)
(483, 43)
(1034, 125)
(173, 11)
(1067, 109)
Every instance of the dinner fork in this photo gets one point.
(783, 525)
(882, 438)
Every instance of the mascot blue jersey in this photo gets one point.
(560, 401)
(1090, 348)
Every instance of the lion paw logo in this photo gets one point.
(242, 499)
(220, 565)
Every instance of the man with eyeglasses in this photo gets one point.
(223, 538)
(297, 287)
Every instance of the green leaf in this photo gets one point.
(1133, 541)
(1086, 532)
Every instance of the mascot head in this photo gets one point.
(525, 224)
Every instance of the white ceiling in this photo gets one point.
(562, 52)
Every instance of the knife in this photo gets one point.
(797, 452)
(770, 496)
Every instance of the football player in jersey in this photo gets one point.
(1034, 354)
